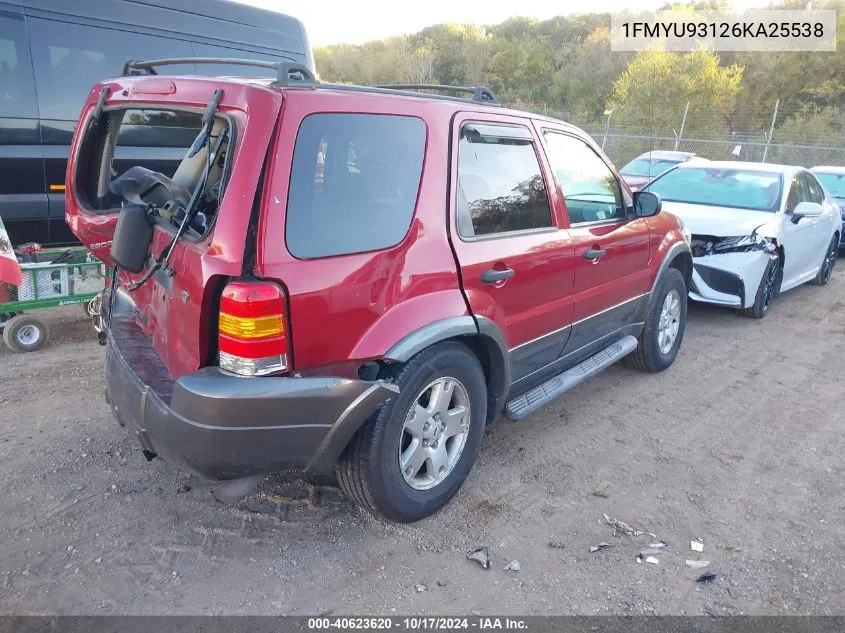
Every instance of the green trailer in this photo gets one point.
(55, 277)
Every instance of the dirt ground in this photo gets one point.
(740, 443)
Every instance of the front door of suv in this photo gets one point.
(517, 263)
(611, 246)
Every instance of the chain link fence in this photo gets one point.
(776, 134)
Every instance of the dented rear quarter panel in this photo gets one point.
(356, 307)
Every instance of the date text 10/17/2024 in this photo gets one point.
(418, 623)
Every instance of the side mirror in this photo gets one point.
(806, 210)
(646, 204)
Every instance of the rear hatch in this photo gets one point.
(151, 123)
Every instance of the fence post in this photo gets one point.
(771, 131)
(683, 123)
(607, 127)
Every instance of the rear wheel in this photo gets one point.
(829, 262)
(766, 292)
(663, 332)
(413, 455)
(25, 333)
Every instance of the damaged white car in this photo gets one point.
(756, 230)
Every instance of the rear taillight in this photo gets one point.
(253, 330)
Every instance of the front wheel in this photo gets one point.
(412, 456)
(829, 262)
(766, 292)
(663, 331)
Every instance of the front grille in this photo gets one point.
(720, 280)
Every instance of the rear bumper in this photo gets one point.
(219, 426)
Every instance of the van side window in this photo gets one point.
(590, 189)
(17, 90)
(500, 188)
(70, 58)
(354, 183)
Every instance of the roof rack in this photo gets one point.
(287, 73)
(479, 93)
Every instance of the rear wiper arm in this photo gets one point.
(207, 124)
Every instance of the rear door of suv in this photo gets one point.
(516, 261)
(611, 246)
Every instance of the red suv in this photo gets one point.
(359, 278)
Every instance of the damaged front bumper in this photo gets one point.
(729, 279)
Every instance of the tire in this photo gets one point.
(828, 263)
(649, 357)
(369, 471)
(767, 291)
(25, 333)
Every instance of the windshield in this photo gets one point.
(735, 188)
(834, 183)
(648, 168)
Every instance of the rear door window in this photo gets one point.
(354, 183)
(17, 89)
(500, 186)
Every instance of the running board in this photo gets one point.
(540, 396)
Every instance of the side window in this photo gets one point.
(70, 58)
(590, 188)
(797, 193)
(500, 188)
(814, 190)
(354, 183)
(17, 89)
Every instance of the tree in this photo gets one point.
(651, 93)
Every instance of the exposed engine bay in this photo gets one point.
(703, 245)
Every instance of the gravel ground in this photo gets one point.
(738, 444)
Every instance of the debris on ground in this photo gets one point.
(696, 546)
(652, 560)
(697, 564)
(657, 545)
(481, 557)
(708, 577)
(601, 494)
(620, 527)
(442, 583)
(234, 490)
(512, 566)
(183, 489)
(600, 546)
(729, 547)
(557, 544)
(420, 588)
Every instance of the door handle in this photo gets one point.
(493, 276)
(594, 254)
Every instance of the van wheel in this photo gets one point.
(25, 333)
(663, 332)
(411, 457)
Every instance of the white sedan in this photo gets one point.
(756, 230)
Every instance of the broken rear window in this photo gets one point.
(151, 148)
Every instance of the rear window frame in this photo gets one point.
(81, 198)
(414, 210)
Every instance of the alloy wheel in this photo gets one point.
(434, 433)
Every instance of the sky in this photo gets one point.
(357, 21)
